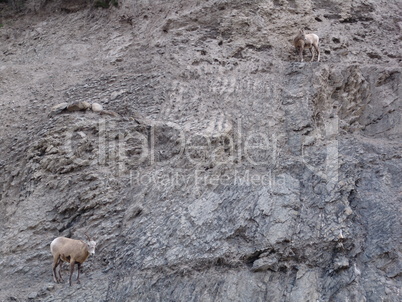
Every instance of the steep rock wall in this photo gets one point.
(233, 173)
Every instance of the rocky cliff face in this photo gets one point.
(231, 173)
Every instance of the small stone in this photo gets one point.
(265, 263)
(82, 134)
(58, 108)
(348, 211)
(33, 295)
(51, 150)
(341, 263)
(96, 107)
(117, 94)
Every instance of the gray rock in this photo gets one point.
(266, 263)
(341, 263)
(58, 108)
(32, 295)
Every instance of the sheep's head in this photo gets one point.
(302, 34)
(91, 247)
(91, 244)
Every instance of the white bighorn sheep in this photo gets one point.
(309, 41)
(71, 251)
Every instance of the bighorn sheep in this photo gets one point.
(71, 251)
(309, 41)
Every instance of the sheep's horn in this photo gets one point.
(85, 233)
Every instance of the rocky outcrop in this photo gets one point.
(229, 171)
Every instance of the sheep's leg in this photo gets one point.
(312, 54)
(301, 54)
(56, 261)
(60, 268)
(318, 51)
(72, 263)
(78, 276)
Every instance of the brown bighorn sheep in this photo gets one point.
(309, 41)
(71, 251)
